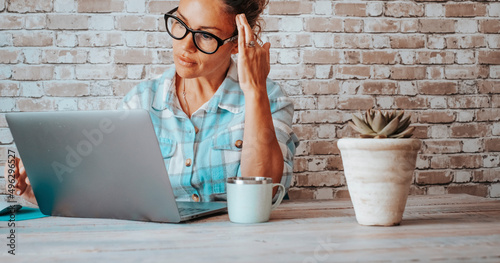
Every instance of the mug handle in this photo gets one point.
(280, 197)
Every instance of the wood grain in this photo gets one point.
(449, 228)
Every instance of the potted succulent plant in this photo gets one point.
(379, 166)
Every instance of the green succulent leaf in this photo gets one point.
(382, 124)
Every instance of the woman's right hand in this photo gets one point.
(21, 185)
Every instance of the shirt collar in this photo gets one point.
(228, 96)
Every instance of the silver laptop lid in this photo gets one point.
(104, 164)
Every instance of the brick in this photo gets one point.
(466, 26)
(493, 41)
(28, 6)
(409, 25)
(465, 57)
(353, 25)
(488, 115)
(323, 147)
(71, 22)
(66, 89)
(436, 117)
(465, 161)
(461, 72)
(486, 176)
(91, 72)
(434, 10)
(32, 89)
(404, 9)
(327, 102)
(495, 72)
(492, 144)
(323, 7)
(10, 56)
(11, 21)
(435, 57)
(494, 9)
(323, 24)
(294, 72)
(379, 57)
(468, 102)
(462, 177)
(33, 39)
(64, 56)
(291, 24)
(374, 8)
(352, 41)
(415, 41)
(352, 57)
(437, 87)
(410, 102)
(134, 56)
(161, 7)
(315, 87)
(381, 25)
(379, 87)
(441, 146)
(327, 131)
(489, 26)
(353, 72)
(65, 72)
(320, 116)
(289, 7)
(408, 73)
(102, 22)
(465, 41)
(469, 130)
(301, 193)
(495, 190)
(350, 9)
(437, 26)
(36, 22)
(136, 23)
(30, 104)
(305, 103)
(100, 39)
(489, 57)
(65, 6)
(290, 40)
(328, 56)
(465, 10)
(45, 72)
(433, 177)
(356, 103)
(9, 89)
(100, 6)
(477, 190)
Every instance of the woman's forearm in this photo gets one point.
(261, 153)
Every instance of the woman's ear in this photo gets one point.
(235, 48)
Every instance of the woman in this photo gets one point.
(214, 118)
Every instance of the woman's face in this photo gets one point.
(206, 15)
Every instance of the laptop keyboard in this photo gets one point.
(183, 211)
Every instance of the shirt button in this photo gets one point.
(188, 162)
(195, 197)
(238, 144)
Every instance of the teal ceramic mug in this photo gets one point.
(249, 199)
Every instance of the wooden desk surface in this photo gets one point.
(446, 228)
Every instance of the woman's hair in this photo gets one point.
(252, 10)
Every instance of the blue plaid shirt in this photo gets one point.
(200, 153)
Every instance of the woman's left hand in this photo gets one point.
(253, 59)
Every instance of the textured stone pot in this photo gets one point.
(379, 173)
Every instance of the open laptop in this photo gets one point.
(99, 164)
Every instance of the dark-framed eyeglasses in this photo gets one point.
(206, 42)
